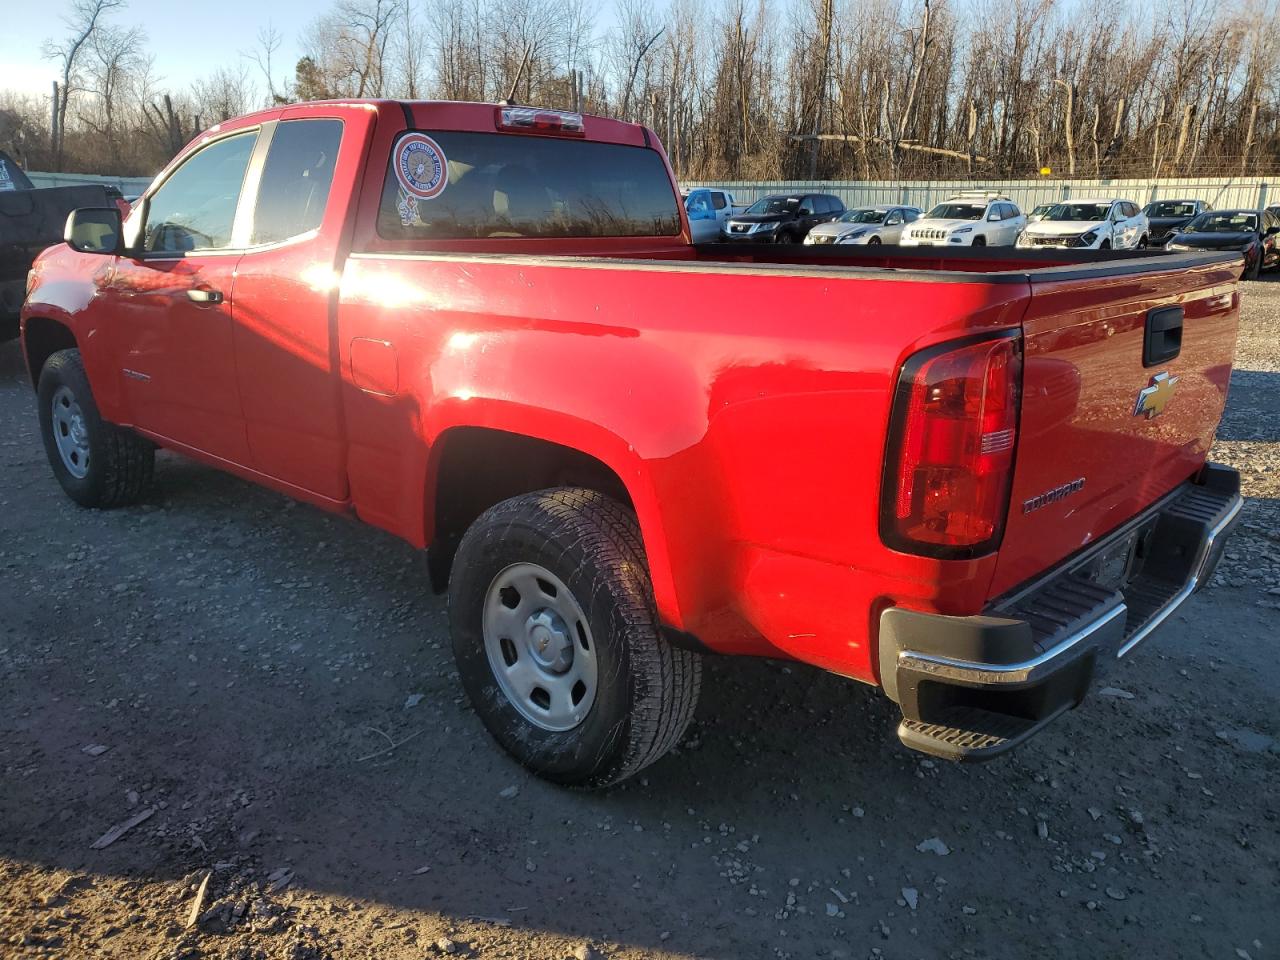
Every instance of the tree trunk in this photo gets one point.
(1248, 138)
(1188, 114)
(1069, 120)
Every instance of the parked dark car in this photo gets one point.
(783, 218)
(30, 220)
(1253, 232)
(1167, 217)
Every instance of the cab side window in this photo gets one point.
(718, 201)
(296, 179)
(195, 208)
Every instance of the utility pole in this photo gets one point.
(53, 126)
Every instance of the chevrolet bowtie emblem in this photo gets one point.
(1152, 399)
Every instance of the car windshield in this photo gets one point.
(1171, 208)
(958, 211)
(1042, 209)
(1228, 221)
(864, 216)
(1079, 212)
(771, 205)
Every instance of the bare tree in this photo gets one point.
(82, 23)
(262, 55)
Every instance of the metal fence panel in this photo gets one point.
(1220, 192)
(129, 186)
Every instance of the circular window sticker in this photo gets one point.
(421, 166)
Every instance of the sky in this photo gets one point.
(188, 40)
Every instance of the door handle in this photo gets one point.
(205, 296)
(1162, 340)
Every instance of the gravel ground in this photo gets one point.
(227, 673)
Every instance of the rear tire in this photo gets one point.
(1143, 242)
(523, 645)
(97, 463)
(1254, 271)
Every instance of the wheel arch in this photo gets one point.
(42, 337)
(470, 469)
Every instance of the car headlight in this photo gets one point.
(963, 230)
(762, 227)
(854, 235)
(1088, 239)
(1023, 240)
(1177, 246)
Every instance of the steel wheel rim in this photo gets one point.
(70, 433)
(540, 647)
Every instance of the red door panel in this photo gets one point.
(177, 358)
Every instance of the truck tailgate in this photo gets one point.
(1090, 456)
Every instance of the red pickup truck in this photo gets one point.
(973, 478)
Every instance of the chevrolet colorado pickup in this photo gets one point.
(974, 478)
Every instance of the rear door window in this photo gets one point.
(296, 179)
(449, 185)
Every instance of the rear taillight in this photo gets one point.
(555, 123)
(952, 436)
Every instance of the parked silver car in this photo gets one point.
(869, 225)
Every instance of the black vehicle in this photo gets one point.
(1167, 217)
(1255, 233)
(783, 218)
(30, 220)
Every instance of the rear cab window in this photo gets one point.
(453, 185)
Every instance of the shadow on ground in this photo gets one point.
(240, 657)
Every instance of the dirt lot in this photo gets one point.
(229, 670)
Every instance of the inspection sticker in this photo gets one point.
(421, 167)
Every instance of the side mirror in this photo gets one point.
(94, 230)
(1272, 231)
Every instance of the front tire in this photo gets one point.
(979, 241)
(1254, 270)
(873, 242)
(558, 642)
(97, 463)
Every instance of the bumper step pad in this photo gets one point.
(971, 733)
(971, 688)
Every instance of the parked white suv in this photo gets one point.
(968, 219)
(1104, 223)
